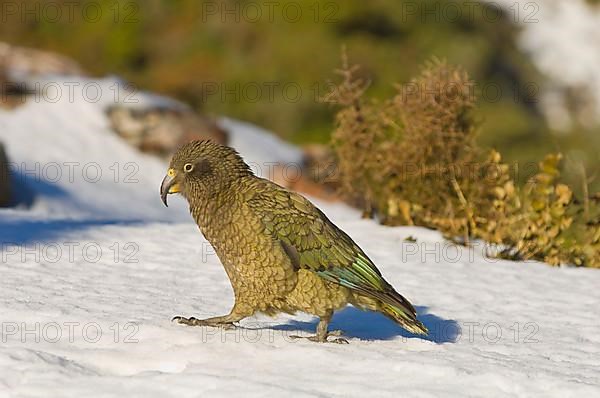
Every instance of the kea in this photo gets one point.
(280, 252)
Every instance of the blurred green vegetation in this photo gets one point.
(269, 62)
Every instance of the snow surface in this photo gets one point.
(91, 275)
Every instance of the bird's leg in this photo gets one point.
(225, 321)
(322, 333)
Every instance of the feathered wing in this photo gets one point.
(313, 242)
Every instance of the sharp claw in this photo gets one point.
(185, 321)
(340, 341)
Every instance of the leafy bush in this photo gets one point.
(414, 160)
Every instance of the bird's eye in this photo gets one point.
(188, 167)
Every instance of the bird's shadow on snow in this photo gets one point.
(368, 325)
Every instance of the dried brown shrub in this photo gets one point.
(413, 160)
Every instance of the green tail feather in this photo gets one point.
(405, 319)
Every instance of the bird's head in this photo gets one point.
(201, 168)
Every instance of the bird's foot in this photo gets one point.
(324, 338)
(202, 322)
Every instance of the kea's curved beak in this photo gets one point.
(169, 186)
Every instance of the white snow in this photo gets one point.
(91, 276)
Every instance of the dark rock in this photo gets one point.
(5, 180)
(161, 131)
(316, 176)
(22, 61)
(18, 64)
